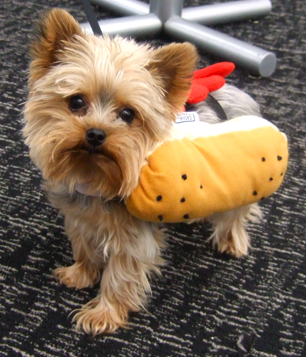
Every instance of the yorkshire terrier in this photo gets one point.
(97, 107)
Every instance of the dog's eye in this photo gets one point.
(76, 103)
(127, 115)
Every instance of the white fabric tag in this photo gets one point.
(187, 117)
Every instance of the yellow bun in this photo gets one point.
(238, 163)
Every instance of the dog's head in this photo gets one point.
(97, 105)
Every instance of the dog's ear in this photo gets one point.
(173, 66)
(53, 31)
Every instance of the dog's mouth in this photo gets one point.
(91, 150)
(93, 164)
(83, 188)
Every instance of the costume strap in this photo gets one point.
(91, 18)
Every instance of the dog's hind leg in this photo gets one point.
(229, 229)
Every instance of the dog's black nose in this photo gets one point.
(95, 137)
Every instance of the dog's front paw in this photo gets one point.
(98, 317)
(78, 275)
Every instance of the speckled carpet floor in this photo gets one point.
(204, 303)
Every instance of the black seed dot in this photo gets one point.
(186, 216)
(282, 174)
(263, 159)
(262, 198)
(271, 178)
(160, 217)
(279, 158)
(201, 186)
(184, 177)
(183, 199)
(255, 193)
(159, 198)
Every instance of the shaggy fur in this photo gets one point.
(110, 76)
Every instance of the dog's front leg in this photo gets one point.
(85, 272)
(125, 279)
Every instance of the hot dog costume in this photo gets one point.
(207, 169)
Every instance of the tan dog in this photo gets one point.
(97, 107)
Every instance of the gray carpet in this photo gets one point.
(204, 303)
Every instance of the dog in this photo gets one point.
(97, 107)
